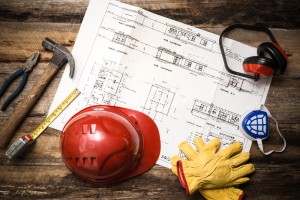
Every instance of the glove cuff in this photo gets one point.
(181, 177)
(242, 195)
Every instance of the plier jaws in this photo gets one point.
(24, 71)
(31, 62)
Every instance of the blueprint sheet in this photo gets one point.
(129, 57)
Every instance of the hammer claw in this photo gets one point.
(61, 55)
(72, 65)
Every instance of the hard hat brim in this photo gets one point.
(151, 138)
(145, 127)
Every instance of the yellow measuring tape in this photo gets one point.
(57, 111)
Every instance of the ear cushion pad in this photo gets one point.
(276, 53)
(260, 65)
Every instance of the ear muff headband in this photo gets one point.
(246, 27)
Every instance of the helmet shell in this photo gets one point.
(106, 144)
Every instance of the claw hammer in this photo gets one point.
(61, 55)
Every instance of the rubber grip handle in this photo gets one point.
(8, 81)
(10, 127)
(16, 92)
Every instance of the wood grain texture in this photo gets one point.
(199, 13)
(41, 174)
(17, 117)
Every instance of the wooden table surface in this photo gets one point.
(42, 174)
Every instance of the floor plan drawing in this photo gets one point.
(240, 84)
(106, 87)
(126, 56)
(166, 55)
(227, 139)
(190, 37)
(123, 39)
(105, 83)
(218, 113)
(159, 102)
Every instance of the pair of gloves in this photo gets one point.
(213, 173)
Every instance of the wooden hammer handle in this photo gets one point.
(20, 112)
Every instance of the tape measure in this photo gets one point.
(19, 146)
(39, 130)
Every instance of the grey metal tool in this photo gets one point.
(24, 71)
(60, 57)
(19, 146)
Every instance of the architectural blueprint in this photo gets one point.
(129, 57)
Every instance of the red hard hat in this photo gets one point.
(106, 144)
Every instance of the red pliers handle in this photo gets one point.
(25, 70)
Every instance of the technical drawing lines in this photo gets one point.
(178, 60)
(110, 79)
(238, 83)
(108, 83)
(135, 16)
(227, 139)
(190, 37)
(201, 107)
(128, 41)
(183, 34)
(125, 40)
(187, 36)
(165, 55)
(226, 79)
(158, 102)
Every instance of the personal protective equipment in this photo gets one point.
(227, 193)
(209, 169)
(270, 60)
(255, 126)
(107, 144)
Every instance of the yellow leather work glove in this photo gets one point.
(209, 169)
(228, 193)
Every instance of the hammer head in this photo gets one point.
(61, 55)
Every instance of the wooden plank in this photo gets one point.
(57, 182)
(280, 14)
(60, 183)
(20, 40)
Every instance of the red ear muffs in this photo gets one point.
(270, 59)
(262, 65)
(276, 53)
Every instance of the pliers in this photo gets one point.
(25, 70)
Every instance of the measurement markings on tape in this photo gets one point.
(62, 106)
(19, 146)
